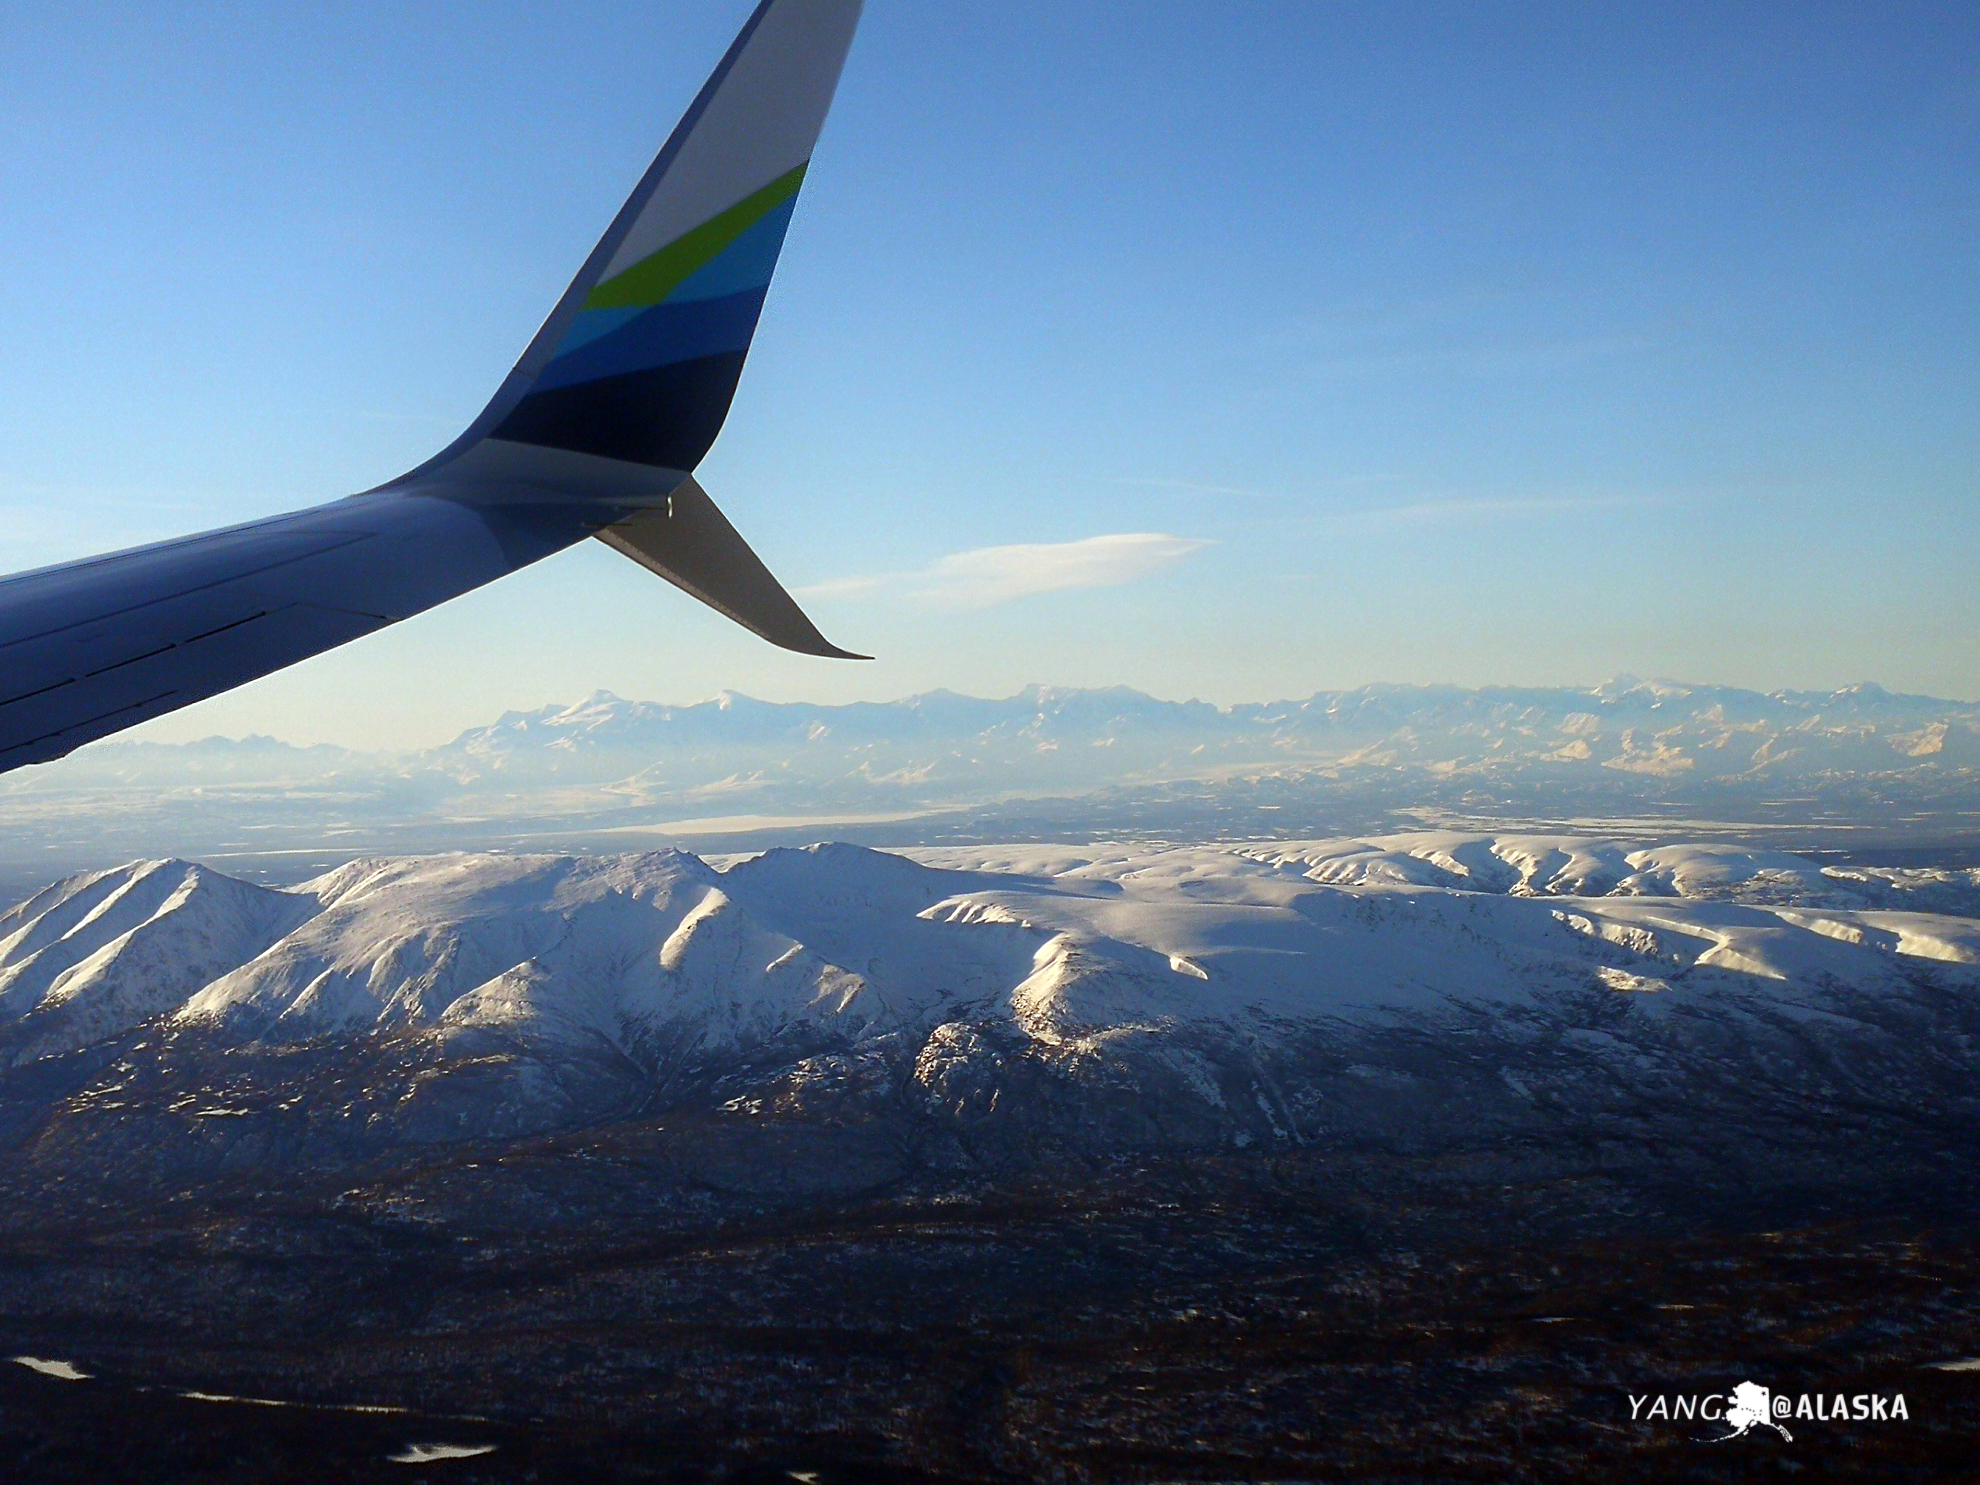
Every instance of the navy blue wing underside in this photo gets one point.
(97, 646)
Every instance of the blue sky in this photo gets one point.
(1320, 343)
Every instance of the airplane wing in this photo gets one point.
(596, 432)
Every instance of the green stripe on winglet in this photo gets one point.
(653, 278)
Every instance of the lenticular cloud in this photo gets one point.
(991, 575)
(998, 574)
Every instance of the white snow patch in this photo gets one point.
(225, 1397)
(63, 1370)
(431, 1453)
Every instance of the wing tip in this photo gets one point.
(829, 651)
(691, 544)
(797, 634)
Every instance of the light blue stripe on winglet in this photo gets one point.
(660, 336)
(592, 323)
(744, 264)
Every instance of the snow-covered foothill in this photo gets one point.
(1184, 987)
(559, 947)
(94, 956)
(1056, 941)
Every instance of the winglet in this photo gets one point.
(639, 360)
(625, 387)
(692, 545)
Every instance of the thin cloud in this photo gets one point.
(991, 575)
(1538, 357)
(851, 587)
(1193, 487)
(1485, 509)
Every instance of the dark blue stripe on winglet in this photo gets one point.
(666, 416)
(659, 337)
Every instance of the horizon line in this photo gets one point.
(1624, 684)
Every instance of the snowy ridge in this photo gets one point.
(510, 992)
(96, 955)
(554, 947)
(853, 938)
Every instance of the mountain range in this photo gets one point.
(607, 774)
(1045, 735)
(980, 1005)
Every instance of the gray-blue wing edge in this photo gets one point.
(93, 647)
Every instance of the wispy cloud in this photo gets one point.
(1491, 334)
(1508, 359)
(990, 575)
(1481, 509)
(1194, 487)
(850, 587)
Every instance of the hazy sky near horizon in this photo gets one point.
(1232, 351)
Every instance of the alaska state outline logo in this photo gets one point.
(1750, 1406)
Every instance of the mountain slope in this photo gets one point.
(1426, 991)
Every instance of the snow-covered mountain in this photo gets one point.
(992, 1003)
(734, 773)
(946, 745)
(1645, 727)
